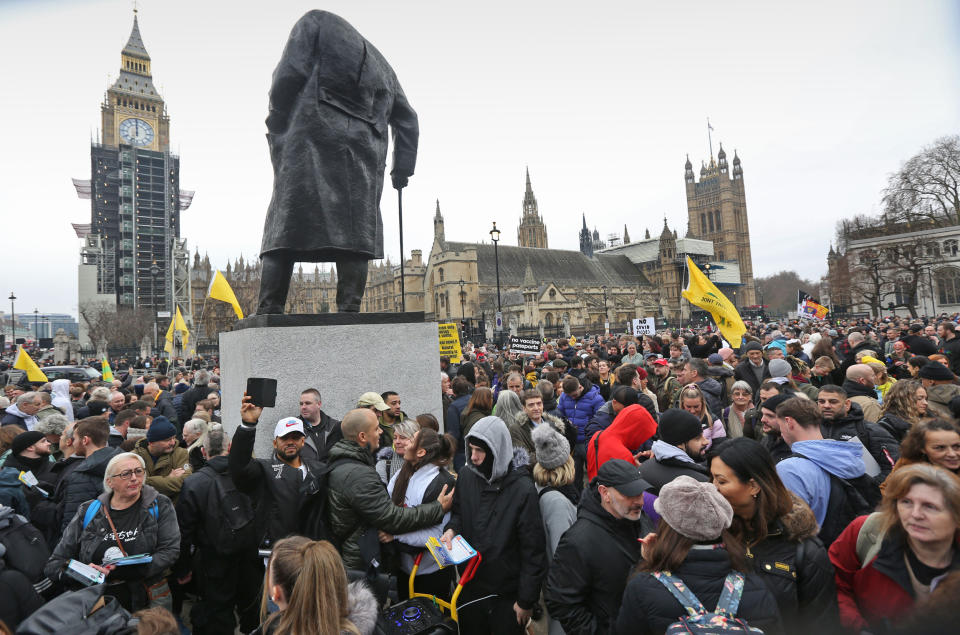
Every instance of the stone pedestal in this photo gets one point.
(342, 355)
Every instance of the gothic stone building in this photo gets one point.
(539, 287)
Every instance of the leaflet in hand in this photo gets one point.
(84, 573)
(459, 551)
(140, 558)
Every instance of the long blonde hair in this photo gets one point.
(900, 481)
(313, 580)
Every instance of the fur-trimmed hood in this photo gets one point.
(799, 523)
(363, 609)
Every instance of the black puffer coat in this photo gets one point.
(358, 503)
(85, 482)
(590, 567)
(649, 608)
(500, 518)
(793, 563)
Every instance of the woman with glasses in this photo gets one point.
(130, 518)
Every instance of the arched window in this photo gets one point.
(703, 224)
(933, 250)
(548, 319)
(903, 290)
(950, 247)
(716, 214)
(948, 285)
(710, 219)
(553, 295)
(441, 274)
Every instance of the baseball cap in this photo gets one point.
(660, 362)
(288, 425)
(623, 477)
(368, 399)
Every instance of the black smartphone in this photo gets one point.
(262, 391)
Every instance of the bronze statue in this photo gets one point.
(332, 98)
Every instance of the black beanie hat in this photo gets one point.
(678, 426)
(936, 372)
(23, 441)
(772, 403)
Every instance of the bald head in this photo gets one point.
(861, 374)
(357, 421)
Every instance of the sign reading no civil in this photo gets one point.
(644, 326)
(450, 341)
(524, 345)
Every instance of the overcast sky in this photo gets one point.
(822, 101)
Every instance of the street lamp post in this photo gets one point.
(495, 237)
(13, 323)
(154, 272)
(876, 282)
(463, 300)
(605, 316)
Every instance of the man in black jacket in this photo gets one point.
(497, 510)
(322, 430)
(595, 556)
(189, 399)
(772, 439)
(86, 481)
(753, 369)
(226, 581)
(276, 484)
(843, 420)
(679, 450)
(950, 344)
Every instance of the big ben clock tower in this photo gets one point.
(134, 233)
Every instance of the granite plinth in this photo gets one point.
(342, 361)
(327, 319)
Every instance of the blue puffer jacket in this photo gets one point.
(580, 411)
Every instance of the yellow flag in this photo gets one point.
(177, 324)
(220, 290)
(26, 364)
(704, 294)
(106, 372)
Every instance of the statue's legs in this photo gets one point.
(274, 283)
(351, 280)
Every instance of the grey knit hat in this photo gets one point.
(694, 509)
(552, 448)
(779, 368)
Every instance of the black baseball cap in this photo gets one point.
(623, 477)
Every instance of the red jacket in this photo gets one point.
(629, 430)
(878, 593)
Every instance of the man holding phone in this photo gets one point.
(277, 482)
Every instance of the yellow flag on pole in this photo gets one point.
(704, 294)
(220, 290)
(106, 373)
(25, 363)
(177, 324)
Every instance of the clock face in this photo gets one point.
(136, 132)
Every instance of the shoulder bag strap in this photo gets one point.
(869, 539)
(681, 593)
(106, 513)
(729, 600)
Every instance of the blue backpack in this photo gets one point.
(94, 507)
(698, 620)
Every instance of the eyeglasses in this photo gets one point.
(126, 475)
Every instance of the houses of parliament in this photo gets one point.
(610, 280)
(133, 255)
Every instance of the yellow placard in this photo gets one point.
(450, 341)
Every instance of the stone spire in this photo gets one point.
(626, 234)
(135, 47)
(438, 233)
(586, 240)
(532, 232)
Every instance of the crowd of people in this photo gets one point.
(806, 478)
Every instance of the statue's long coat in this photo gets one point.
(332, 98)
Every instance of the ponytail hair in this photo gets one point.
(313, 580)
(439, 451)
